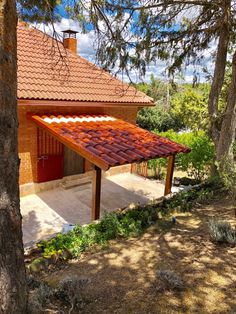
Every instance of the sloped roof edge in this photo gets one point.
(48, 71)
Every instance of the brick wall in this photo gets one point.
(28, 132)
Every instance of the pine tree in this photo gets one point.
(132, 34)
(12, 271)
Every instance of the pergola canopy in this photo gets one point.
(107, 141)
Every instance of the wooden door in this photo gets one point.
(73, 162)
(50, 157)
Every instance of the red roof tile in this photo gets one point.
(45, 74)
(107, 141)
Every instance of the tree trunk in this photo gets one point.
(224, 153)
(13, 297)
(218, 78)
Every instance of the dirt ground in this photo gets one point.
(124, 275)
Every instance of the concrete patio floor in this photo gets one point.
(50, 212)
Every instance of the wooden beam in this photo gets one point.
(169, 175)
(70, 143)
(96, 193)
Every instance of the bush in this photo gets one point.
(189, 105)
(222, 232)
(157, 118)
(69, 290)
(156, 165)
(170, 280)
(39, 298)
(197, 163)
(130, 222)
(185, 200)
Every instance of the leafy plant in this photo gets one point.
(158, 118)
(222, 232)
(156, 165)
(130, 222)
(157, 89)
(189, 105)
(198, 162)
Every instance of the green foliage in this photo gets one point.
(156, 165)
(110, 227)
(222, 232)
(187, 108)
(199, 160)
(184, 201)
(39, 11)
(189, 105)
(161, 33)
(157, 118)
(156, 89)
(130, 222)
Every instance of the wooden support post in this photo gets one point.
(96, 193)
(169, 175)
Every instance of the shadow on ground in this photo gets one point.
(46, 213)
(123, 276)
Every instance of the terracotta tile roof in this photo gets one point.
(107, 141)
(47, 71)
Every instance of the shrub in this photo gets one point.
(222, 232)
(69, 290)
(197, 163)
(130, 222)
(32, 282)
(156, 165)
(39, 298)
(185, 200)
(189, 105)
(110, 226)
(157, 118)
(170, 280)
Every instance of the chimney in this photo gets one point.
(69, 40)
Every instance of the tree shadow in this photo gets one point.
(124, 277)
(74, 205)
(47, 213)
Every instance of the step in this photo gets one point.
(77, 182)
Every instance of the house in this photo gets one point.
(75, 117)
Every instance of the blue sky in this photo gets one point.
(86, 48)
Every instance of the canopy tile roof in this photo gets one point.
(107, 141)
(48, 71)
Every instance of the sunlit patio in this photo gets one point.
(49, 212)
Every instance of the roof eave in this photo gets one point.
(73, 103)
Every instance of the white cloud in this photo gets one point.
(86, 49)
(85, 45)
